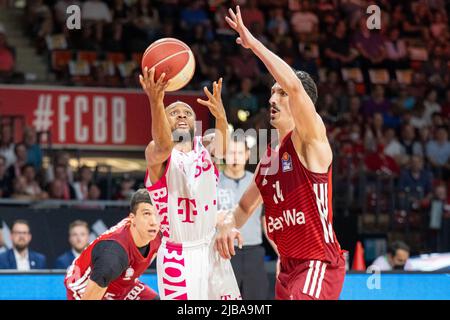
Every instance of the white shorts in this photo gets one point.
(194, 271)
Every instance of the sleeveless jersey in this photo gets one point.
(298, 205)
(81, 268)
(186, 195)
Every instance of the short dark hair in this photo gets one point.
(20, 221)
(396, 245)
(140, 196)
(78, 223)
(308, 84)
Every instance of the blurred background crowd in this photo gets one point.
(383, 94)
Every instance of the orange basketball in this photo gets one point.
(173, 57)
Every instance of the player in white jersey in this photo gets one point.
(182, 181)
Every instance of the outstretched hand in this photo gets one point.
(245, 39)
(154, 90)
(214, 102)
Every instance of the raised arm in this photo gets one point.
(159, 149)
(218, 142)
(308, 123)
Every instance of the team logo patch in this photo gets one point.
(286, 162)
(129, 273)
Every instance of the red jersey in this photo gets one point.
(81, 268)
(298, 210)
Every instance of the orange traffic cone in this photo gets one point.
(358, 258)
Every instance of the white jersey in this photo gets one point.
(188, 266)
(186, 196)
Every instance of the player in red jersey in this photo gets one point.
(293, 180)
(110, 267)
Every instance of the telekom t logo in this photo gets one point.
(186, 209)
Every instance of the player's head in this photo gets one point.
(237, 153)
(181, 118)
(398, 254)
(20, 235)
(78, 235)
(280, 113)
(143, 215)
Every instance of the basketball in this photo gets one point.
(173, 57)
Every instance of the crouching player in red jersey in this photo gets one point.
(293, 180)
(110, 267)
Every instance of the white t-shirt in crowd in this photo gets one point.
(22, 262)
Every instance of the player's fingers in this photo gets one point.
(220, 247)
(219, 85)
(141, 80)
(231, 245)
(239, 40)
(151, 75)
(225, 248)
(161, 78)
(240, 240)
(145, 75)
(231, 23)
(167, 84)
(208, 93)
(232, 14)
(204, 102)
(239, 17)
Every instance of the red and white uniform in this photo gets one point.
(299, 219)
(127, 286)
(188, 267)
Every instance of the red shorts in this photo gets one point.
(140, 291)
(309, 280)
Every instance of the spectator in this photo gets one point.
(431, 106)
(20, 189)
(7, 145)
(305, 21)
(15, 170)
(96, 14)
(396, 52)
(20, 257)
(370, 46)
(409, 141)
(34, 152)
(379, 163)
(126, 188)
(32, 188)
(374, 132)
(244, 100)
(78, 240)
(5, 183)
(416, 180)
(194, 14)
(251, 14)
(277, 25)
(94, 192)
(393, 148)
(244, 64)
(68, 192)
(396, 258)
(439, 27)
(376, 103)
(438, 153)
(446, 105)
(337, 48)
(56, 190)
(81, 187)
(145, 20)
(120, 12)
(7, 58)
(62, 158)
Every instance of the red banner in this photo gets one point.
(91, 118)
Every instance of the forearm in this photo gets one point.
(161, 132)
(278, 68)
(93, 291)
(221, 137)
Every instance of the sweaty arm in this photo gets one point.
(159, 149)
(109, 261)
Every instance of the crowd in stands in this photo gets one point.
(383, 94)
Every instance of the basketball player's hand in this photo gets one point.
(214, 102)
(245, 39)
(226, 235)
(154, 89)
